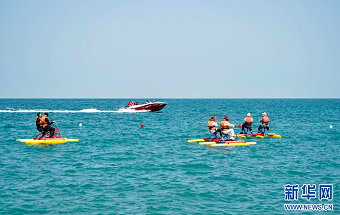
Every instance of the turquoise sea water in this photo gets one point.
(117, 167)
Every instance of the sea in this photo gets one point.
(120, 167)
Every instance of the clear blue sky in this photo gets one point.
(170, 49)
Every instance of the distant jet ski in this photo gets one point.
(152, 106)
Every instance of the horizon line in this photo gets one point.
(183, 98)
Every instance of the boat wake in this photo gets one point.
(89, 110)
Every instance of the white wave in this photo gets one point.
(22, 111)
(124, 110)
(89, 110)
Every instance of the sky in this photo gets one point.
(170, 49)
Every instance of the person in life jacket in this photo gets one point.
(248, 122)
(227, 128)
(265, 122)
(212, 125)
(38, 122)
(46, 125)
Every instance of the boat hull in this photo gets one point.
(49, 141)
(156, 106)
(215, 142)
(261, 135)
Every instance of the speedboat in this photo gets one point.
(154, 106)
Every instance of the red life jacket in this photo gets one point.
(210, 125)
(224, 127)
(248, 121)
(265, 119)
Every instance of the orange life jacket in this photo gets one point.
(224, 127)
(248, 121)
(210, 125)
(43, 121)
(265, 119)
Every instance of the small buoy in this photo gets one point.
(330, 126)
(142, 125)
(239, 126)
(80, 124)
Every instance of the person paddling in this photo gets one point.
(212, 125)
(265, 122)
(248, 122)
(38, 122)
(227, 128)
(46, 125)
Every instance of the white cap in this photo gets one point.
(248, 114)
(264, 113)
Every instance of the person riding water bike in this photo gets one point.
(46, 125)
(265, 123)
(38, 122)
(227, 128)
(212, 125)
(248, 122)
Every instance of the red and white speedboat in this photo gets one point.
(154, 106)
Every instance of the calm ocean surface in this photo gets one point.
(117, 167)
